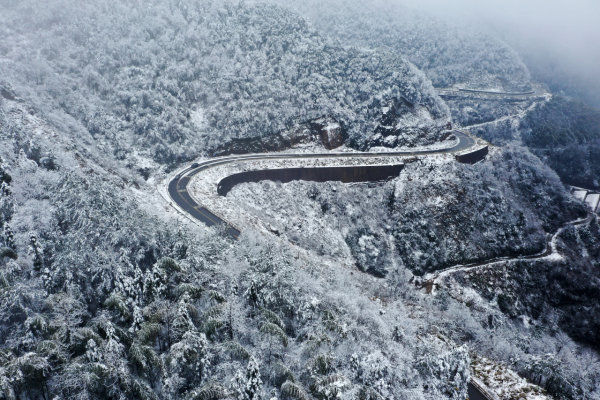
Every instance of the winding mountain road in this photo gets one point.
(431, 280)
(178, 191)
(479, 94)
(180, 195)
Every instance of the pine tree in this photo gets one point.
(253, 382)
(9, 237)
(92, 352)
(5, 178)
(248, 385)
(187, 364)
(138, 319)
(182, 322)
(35, 249)
(5, 189)
(155, 283)
(6, 203)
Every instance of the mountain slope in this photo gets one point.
(173, 79)
(106, 292)
(448, 54)
(106, 295)
(566, 134)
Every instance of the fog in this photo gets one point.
(558, 39)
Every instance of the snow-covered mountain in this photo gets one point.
(406, 289)
(173, 79)
(448, 54)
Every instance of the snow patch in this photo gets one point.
(198, 117)
(419, 118)
(504, 382)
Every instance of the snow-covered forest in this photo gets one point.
(177, 78)
(359, 291)
(448, 54)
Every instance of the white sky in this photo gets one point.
(566, 32)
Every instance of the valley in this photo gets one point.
(319, 200)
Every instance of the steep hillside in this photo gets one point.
(566, 134)
(527, 314)
(436, 214)
(169, 80)
(105, 294)
(560, 295)
(448, 54)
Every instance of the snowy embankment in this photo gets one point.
(203, 187)
(538, 93)
(502, 382)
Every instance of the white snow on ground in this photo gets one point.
(499, 378)
(331, 128)
(421, 117)
(314, 147)
(592, 200)
(143, 161)
(493, 89)
(198, 117)
(446, 144)
(495, 93)
(203, 187)
(503, 382)
(580, 194)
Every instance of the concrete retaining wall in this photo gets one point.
(473, 156)
(476, 391)
(361, 173)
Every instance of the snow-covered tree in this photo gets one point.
(187, 364)
(248, 385)
(36, 251)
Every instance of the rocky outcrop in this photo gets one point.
(330, 132)
(325, 131)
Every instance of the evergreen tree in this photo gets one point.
(9, 237)
(182, 322)
(36, 251)
(253, 387)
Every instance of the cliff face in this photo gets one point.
(322, 132)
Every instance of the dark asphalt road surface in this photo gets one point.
(178, 186)
(474, 394)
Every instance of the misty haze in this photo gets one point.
(300, 200)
